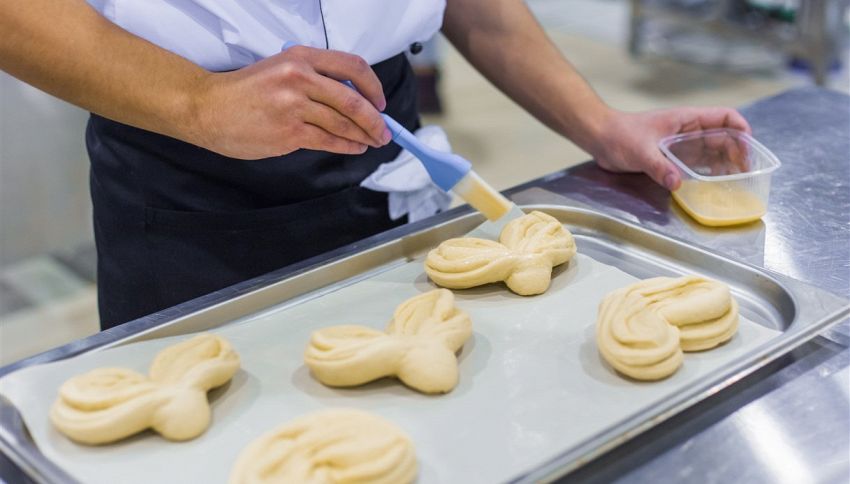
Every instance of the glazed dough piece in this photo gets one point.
(109, 404)
(528, 248)
(418, 347)
(642, 329)
(329, 447)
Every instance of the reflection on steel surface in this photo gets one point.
(764, 433)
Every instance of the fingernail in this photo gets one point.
(670, 181)
(362, 148)
(382, 105)
(387, 136)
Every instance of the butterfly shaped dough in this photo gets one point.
(109, 404)
(418, 347)
(329, 447)
(528, 248)
(642, 329)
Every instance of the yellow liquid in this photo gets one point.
(718, 204)
(482, 196)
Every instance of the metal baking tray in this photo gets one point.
(799, 311)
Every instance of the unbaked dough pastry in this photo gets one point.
(528, 248)
(109, 404)
(329, 447)
(642, 329)
(418, 347)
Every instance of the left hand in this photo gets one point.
(629, 141)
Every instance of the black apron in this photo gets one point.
(173, 221)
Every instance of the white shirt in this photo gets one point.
(222, 35)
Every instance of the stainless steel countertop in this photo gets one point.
(787, 422)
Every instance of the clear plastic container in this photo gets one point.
(725, 175)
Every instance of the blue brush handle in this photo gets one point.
(445, 169)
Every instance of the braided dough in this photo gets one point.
(528, 248)
(329, 446)
(418, 347)
(109, 404)
(642, 329)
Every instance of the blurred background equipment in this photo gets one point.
(744, 34)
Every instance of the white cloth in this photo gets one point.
(222, 35)
(410, 189)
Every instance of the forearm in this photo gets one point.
(503, 40)
(67, 49)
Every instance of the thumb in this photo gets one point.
(663, 172)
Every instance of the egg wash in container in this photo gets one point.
(725, 175)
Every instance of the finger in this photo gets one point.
(342, 66)
(716, 141)
(693, 119)
(717, 153)
(738, 154)
(350, 104)
(662, 171)
(735, 120)
(336, 124)
(729, 151)
(316, 138)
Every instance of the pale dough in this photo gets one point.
(528, 248)
(109, 404)
(336, 446)
(642, 329)
(418, 347)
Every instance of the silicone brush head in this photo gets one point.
(483, 197)
(452, 172)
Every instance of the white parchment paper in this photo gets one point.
(532, 383)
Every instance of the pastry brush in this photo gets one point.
(452, 172)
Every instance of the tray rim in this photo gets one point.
(27, 456)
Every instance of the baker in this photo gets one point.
(215, 157)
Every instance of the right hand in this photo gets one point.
(289, 101)
(628, 142)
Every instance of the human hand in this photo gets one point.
(629, 141)
(289, 101)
